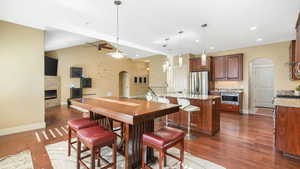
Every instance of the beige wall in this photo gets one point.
(104, 71)
(156, 75)
(22, 78)
(277, 52)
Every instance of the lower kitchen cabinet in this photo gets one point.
(287, 130)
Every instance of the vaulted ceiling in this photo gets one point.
(144, 24)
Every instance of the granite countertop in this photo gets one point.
(287, 102)
(228, 90)
(191, 96)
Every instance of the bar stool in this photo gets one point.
(74, 126)
(94, 138)
(185, 105)
(162, 140)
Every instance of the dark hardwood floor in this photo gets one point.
(244, 142)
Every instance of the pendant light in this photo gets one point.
(167, 65)
(180, 59)
(117, 54)
(203, 55)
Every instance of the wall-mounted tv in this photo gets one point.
(50, 66)
(86, 83)
(75, 72)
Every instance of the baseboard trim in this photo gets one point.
(63, 103)
(22, 128)
(245, 111)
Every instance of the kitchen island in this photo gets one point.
(206, 121)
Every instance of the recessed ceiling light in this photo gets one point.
(253, 28)
(197, 41)
(259, 40)
(137, 55)
(211, 48)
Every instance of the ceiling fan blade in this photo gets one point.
(107, 47)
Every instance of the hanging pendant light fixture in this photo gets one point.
(180, 59)
(203, 55)
(117, 54)
(167, 65)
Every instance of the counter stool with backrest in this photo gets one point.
(94, 138)
(185, 105)
(74, 126)
(162, 140)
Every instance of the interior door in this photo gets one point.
(263, 85)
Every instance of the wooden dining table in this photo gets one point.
(137, 116)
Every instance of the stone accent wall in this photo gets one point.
(52, 83)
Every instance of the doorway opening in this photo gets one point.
(124, 90)
(261, 86)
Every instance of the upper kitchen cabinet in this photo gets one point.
(229, 67)
(219, 68)
(295, 54)
(297, 51)
(196, 65)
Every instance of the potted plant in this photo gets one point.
(297, 91)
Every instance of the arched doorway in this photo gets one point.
(261, 86)
(124, 88)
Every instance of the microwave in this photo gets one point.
(230, 98)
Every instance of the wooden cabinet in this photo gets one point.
(219, 68)
(293, 64)
(206, 121)
(196, 65)
(297, 51)
(287, 130)
(234, 67)
(228, 67)
(295, 54)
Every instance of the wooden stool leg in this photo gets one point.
(161, 160)
(143, 156)
(114, 156)
(69, 140)
(78, 153)
(99, 161)
(182, 154)
(165, 161)
(93, 158)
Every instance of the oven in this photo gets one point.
(230, 98)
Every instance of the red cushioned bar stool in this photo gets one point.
(162, 140)
(94, 138)
(74, 126)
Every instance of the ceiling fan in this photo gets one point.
(100, 46)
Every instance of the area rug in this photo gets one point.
(58, 155)
(18, 161)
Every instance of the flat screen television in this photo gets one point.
(50, 66)
(86, 83)
(76, 72)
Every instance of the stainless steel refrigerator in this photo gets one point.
(198, 82)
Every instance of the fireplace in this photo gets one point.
(50, 94)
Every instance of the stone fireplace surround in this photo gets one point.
(52, 83)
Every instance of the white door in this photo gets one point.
(263, 85)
